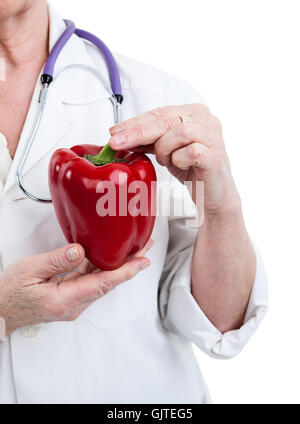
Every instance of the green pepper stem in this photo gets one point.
(106, 155)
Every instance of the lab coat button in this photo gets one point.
(29, 332)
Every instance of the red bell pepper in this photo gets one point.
(80, 181)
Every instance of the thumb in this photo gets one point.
(63, 259)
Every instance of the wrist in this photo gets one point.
(228, 213)
(223, 227)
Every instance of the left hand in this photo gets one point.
(187, 140)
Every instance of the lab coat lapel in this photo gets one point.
(52, 129)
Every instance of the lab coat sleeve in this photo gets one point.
(179, 310)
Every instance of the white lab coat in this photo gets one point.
(134, 344)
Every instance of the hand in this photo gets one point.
(188, 141)
(31, 290)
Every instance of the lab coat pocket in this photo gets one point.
(126, 303)
(130, 301)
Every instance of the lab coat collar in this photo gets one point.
(72, 85)
(74, 76)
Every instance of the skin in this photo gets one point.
(31, 291)
(223, 266)
(23, 25)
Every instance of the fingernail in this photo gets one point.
(118, 140)
(117, 128)
(72, 254)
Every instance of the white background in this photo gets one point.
(243, 57)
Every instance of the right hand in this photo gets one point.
(31, 290)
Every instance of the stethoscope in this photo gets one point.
(46, 79)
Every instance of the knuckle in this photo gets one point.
(185, 131)
(159, 150)
(159, 161)
(103, 287)
(129, 123)
(132, 123)
(164, 124)
(56, 262)
(176, 159)
(139, 133)
(195, 151)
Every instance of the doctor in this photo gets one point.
(122, 336)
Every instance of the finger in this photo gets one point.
(190, 110)
(46, 265)
(178, 137)
(146, 133)
(194, 154)
(148, 127)
(159, 113)
(145, 249)
(70, 276)
(86, 267)
(95, 285)
(181, 132)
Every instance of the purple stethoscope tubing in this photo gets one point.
(46, 79)
(109, 59)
